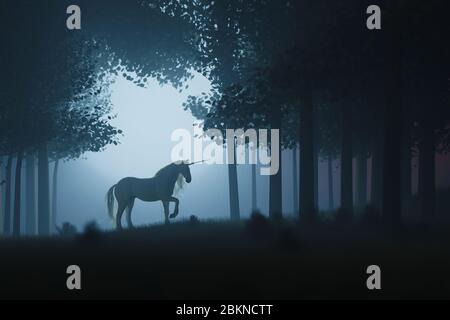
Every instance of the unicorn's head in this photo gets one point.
(184, 171)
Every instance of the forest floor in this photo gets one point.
(254, 259)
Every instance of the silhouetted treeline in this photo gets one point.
(337, 91)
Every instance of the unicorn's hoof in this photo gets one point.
(173, 215)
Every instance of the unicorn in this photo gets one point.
(159, 188)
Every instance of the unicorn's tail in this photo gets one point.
(110, 202)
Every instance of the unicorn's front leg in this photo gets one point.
(177, 203)
(166, 212)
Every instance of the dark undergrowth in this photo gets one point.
(253, 259)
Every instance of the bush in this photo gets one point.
(343, 216)
(194, 220)
(258, 224)
(67, 229)
(371, 216)
(287, 240)
(92, 232)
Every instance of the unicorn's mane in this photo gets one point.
(179, 184)
(164, 169)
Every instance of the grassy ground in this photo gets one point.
(256, 259)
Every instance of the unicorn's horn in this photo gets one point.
(190, 164)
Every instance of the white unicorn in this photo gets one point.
(158, 188)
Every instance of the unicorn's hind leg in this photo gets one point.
(120, 211)
(129, 209)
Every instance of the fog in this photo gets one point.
(147, 117)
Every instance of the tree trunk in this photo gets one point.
(361, 187)
(2, 196)
(406, 166)
(254, 201)
(306, 191)
(17, 194)
(330, 184)
(43, 192)
(54, 196)
(7, 219)
(427, 179)
(316, 160)
(275, 195)
(233, 185)
(392, 115)
(275, 183)
(377, 171)
(316, 178)
(295, 180)
(347, 162)
(30, 225)
(316, 148)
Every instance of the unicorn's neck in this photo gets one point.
(172, 175)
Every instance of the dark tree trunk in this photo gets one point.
(17, 193)
(275, 205)
(406, 167)
(7, 218)
(2, 196)
(275, 193)
(233, 186)
(295, 180)
(361, 186)
(330, 184)
(43, 192)
(30, 225)
(306, 166)
(377, 171)
(54, 196)
(427, 179)
(347, 162)
(254, 201)
(316, 160)
(392, 115)
(316, 177)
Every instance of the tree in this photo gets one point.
(254, 192)
(32, 121)
(330, 183)
(222, 36)
(17, 189)
(30, 216)
(295, 180)
(43, 192)
(2, 193)
(392, 116)
(427, 105)
(7, 212)
(82, 126)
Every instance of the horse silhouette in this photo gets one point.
(158, 188)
